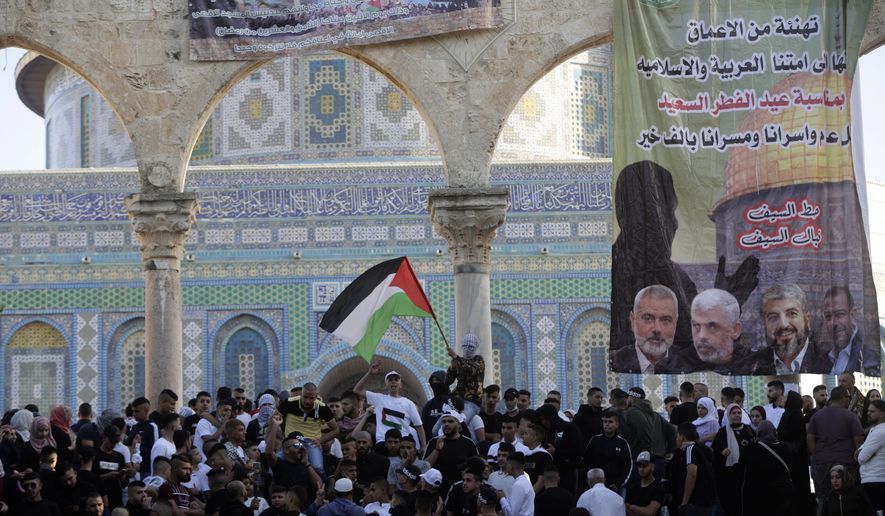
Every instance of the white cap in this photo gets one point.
(343, 485)
(392, 373)
(433, 477)
(643, 457)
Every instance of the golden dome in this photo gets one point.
(771, 165)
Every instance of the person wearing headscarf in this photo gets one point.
(730, 441)
(707, 423)
(767, 489)
(21, 422)
(40, 436)
(59, 421)
(845, 498)
(791, 431)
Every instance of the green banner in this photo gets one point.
(740, 245)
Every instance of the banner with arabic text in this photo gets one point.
(250, 29)
(740, 246)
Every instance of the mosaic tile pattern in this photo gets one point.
(87, 331)
(132, 367)
(390, 119)
(536, 121)
(85, 131)
(544, 328)
(112, 143)
(328, 90)
(258, 115)
(591, 107)
(193, 345)
(276, 116)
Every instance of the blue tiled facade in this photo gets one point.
(353, 166)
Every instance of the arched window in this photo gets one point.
(245, 361)
(587, 344)
(37, 367)
(245, 355)
(126, 369)
(509, 353)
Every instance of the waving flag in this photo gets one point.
(362, 312)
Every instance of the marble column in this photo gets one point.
(468, 219)
(161, 221)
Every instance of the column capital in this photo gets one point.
(161, 221)
(468, 219)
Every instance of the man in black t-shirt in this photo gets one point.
(645, 494)
(461, 500)
(691, 476)
(491, 418)
(446, 453)
(294, 469)
(687, 410)
(110, 466)
(34, 504)
(553, 499)
(146, 430)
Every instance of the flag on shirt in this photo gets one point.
(362, 312)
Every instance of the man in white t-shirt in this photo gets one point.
(600, 500)
(164, 447)
(508, 435)
(391, 409)
(522, 494)
(206, 430)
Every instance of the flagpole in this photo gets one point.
(441, 331)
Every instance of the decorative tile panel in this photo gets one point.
(87, 332)
(257, 115)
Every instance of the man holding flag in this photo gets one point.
(391, 409)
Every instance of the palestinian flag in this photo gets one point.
(362, 312)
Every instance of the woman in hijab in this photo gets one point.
(707, 423)
(767, 489)
(845, 498)
(59, 420)
(728, 445)
(757, 415)
(40, 437)
(791, 431)
(21, 422)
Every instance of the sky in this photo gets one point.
(22, 145)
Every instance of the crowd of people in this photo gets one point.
(470, 450)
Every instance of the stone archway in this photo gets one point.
(348, 372)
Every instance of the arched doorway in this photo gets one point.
(126, 368)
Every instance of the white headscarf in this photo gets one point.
(712, 415)
(731, 439)
(21, 421)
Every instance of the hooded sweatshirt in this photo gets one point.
(643, 429)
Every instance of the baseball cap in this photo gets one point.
(437, 376)
(511, 393)
(392, 373)
(643, 458)
(412, 472)
(488, 496)
(432, 476)
(343, 485)
(636, 392)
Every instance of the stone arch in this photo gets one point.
(124, 363)
(349, 368)
(78, 59)
(586, 338)
(509, 349)
(245, 350)
(36, 366)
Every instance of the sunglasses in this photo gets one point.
(296, 445)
